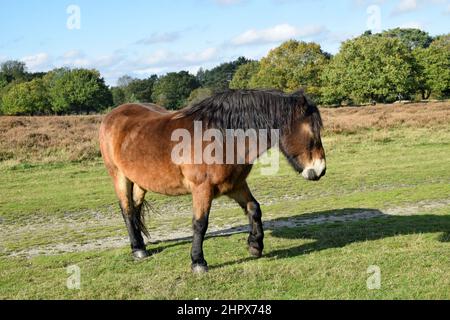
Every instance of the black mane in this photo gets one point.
(254, 109)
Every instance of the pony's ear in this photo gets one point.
(301, 100)
(300, 103)
(300, 93)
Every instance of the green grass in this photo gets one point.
(404, 170)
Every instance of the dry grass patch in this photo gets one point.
(416, 115)
(49, 139)
(74, 138)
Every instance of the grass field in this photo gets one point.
(384, 202)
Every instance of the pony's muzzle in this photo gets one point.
(316, 171)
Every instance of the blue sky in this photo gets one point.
(139, 38)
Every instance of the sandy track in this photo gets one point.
(162, 234)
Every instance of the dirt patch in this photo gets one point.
(163, 234)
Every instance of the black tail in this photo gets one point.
(145, 208)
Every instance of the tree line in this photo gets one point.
(397, 64)
(60, 91)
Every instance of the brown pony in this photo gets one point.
(137, 144)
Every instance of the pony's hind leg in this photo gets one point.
(131, 199)
(245, 199)
(202, 197)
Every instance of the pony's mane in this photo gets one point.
(254, 109)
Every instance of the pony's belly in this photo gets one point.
(162, 182)
(165, 188)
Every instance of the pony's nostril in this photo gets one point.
(323, 172)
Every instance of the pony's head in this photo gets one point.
(302, 144)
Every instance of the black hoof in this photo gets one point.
(199, 268)
(140, 254)
(255, 252)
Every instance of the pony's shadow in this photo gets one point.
(331, 229)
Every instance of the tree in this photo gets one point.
(412, 38)
(433, 65)
(77, 90)
(292, 65)
(26, 98)
(133, 90)
(141, 89)
(3, 81)
(199, 94)
(218, 78)
(173, 89)
(124, 81)
(244, 76)
(118, 96)
(369, 68)
(13, 71)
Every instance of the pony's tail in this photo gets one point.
(146, 208)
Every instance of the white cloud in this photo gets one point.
(447, 11)
(72, 54)
(405, 6)
(149, 71)
(228, 2)
(77, 59)
(158, 57)
(163, 61)
(118, 63)
(277, 33)
(368, 2)
(160, 38)
(412, 25)
(205, 55)
(37, 62)
(80, 63)
(169, 58)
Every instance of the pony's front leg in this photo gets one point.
(201, 199)
(245, 199)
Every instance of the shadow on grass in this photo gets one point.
(329, 231)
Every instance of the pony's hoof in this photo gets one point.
(255, 252)
(199, 269)
(140, 254)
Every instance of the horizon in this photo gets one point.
(160, 37)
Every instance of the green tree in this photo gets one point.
(133, 90)
(292, 65)
(3, 81)
(369, 68)
(13, 71)
(199, 94)
(433, 65)
(124, 81)
(173, 89)
(218, 78)
(142, 89)
(77, 91)
(118, 96)
(26, 98)
(412, 38)
(244, 76)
